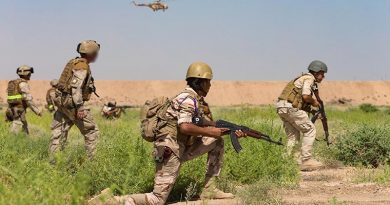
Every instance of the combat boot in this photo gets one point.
(103, 198)
(210, 191)
(311, 165)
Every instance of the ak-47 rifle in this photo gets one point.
(321, 112)
(124, 107)
(232, 132)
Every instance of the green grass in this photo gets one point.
(124, 163)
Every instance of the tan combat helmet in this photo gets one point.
(199, 70)
(88, 47)
(54, 83)
(24, 70)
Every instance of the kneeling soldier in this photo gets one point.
(184, 141)
(19, 98)
(293, 106)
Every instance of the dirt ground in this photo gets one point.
(328, 186)
(224, 93)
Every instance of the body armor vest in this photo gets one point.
(15, 97)
(293, 95)
(64, 84)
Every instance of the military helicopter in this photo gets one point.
(155, 6)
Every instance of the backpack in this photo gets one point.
(153, 117)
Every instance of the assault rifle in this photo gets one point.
(124, 107)
(321, 112)
(232, 132)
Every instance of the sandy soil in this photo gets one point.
(224, 93)
(323, 187)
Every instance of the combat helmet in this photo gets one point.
(24, 70)
(199, 70)
(317, 66)
(88, 47)
(54, 83)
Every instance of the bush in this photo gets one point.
(368, 145)
(368, 108)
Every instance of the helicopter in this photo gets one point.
(155, 6)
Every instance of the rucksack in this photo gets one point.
(153, 117)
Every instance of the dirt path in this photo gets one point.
(325, 186)
(329, 186)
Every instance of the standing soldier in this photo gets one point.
(19, 98)
(175, 145)
(75, 87)
(51, 95)
(293, 106)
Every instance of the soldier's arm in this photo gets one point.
(307, 93)
(28, 98)
(77, 81)
(186, 113)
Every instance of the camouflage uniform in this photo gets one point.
(19, 98)
(111, 112)
(50, 96)
(296, 120)
(175, 148)
(73, 90)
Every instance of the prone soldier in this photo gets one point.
(111, 111)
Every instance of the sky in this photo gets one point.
(240, 39)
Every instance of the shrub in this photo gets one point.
(368, 145)
(368, 108)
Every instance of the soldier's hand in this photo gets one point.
(240, 133)
(316, 103)
(81, 114)
(217, 132)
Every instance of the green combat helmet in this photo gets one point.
(24, 70)
(199, 70)
(317, 66)
(88, 47)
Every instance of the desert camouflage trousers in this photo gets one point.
(19, 122)
(296, 121)
(63, 121)
(168, 171)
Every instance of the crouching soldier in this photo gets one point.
(180, 141)
(293, 106)
(75, 87)
(19, 99)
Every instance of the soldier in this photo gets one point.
(110, 111)
(293, 106)
(19, 98)
(74, 88)
(175, 146)
(51, 94)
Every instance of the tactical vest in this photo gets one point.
(14, 93)
(293, 95)
(64, 83)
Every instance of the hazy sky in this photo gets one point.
(240, 39)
